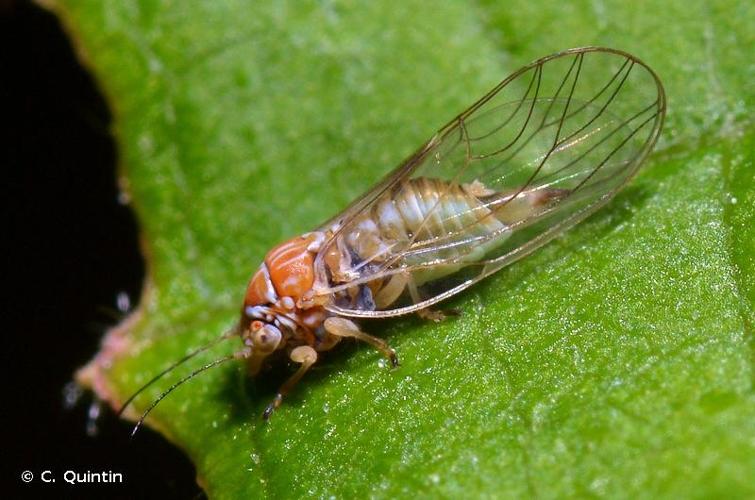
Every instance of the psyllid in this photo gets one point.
(548, 146)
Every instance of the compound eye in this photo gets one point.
(267, 338)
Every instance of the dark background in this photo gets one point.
(70, 249)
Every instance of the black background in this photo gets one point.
(69, 249)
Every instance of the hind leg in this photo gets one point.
(434, 315)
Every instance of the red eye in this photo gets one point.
(256, 325)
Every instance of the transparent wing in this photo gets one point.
(548, 146)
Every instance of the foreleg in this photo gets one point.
(306, 357)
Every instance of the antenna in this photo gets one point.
(177, 384)
(175, 365)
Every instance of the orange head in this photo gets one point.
(271, 314)
(288, 271)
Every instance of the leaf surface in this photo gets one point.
(616, 361)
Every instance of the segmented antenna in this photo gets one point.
(176, 385)
(175, 365)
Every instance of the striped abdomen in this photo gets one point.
(424, 218)
(437, 225)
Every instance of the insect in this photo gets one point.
(545, 148)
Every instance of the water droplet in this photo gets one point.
(123, 302)
(123, 198)
(92, 416)
(146, 144)
(71, 394)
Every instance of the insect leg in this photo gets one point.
(429, 314)
(342, 327)
(391, 291)
(304, 355)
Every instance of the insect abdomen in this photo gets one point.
(424, 209)
(424, 220)
(423, 215)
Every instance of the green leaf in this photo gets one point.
(617, 361)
